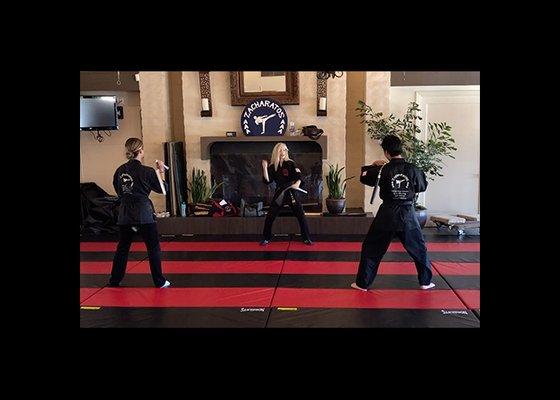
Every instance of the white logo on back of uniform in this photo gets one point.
(399, 187)
(400, 181)
(127, 182)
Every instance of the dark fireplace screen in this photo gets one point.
(238, 166)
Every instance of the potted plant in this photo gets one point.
(427, 156)
(201, 193)
(337, 187)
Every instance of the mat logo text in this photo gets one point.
(454, 312)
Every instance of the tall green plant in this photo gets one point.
(200, 191)
(335, 184)
(428, 155)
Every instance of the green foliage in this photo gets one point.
(335, 184)
(428, 155)
(198, 187)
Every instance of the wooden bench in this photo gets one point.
(458, 222)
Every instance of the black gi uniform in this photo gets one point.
(284, 177)
(398, 185)
(133, 182)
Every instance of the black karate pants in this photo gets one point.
(295, 205)
(150, 236)
(376, 244)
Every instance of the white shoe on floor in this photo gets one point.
(166, 284)
(353, 285)
(426, 287)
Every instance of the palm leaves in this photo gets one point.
(335, 184)
(200, 192)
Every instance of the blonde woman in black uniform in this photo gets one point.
(283, 171)
(133, 182)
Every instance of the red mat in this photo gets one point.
(213, 267)
(226, 246)
(112, 246)
(394, 246)
(181, 297)
(452, 268)
(87, 292)
(347, 268)
(98, 267)
(275, 267)
(104, 267)
(470, 297)
(272, 246)
(352, 298)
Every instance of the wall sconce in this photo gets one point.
(321, 96)
(329, 74)
(205, 96)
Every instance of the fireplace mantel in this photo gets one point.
(206, 142)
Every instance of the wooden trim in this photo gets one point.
(240, 98)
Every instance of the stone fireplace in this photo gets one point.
(237, 163)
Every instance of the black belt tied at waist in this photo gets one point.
(398, 203)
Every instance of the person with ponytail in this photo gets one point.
(133, 182)
(287, 177)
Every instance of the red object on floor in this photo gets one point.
(181, 297)
(352, 298)
(346, 268)
(213, 267)
(394, 246)
(470, 297)
(452, 268)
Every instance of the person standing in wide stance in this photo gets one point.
(283, 171)
(399, 182)
(133, 182)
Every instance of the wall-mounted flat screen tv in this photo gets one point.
(98, 113)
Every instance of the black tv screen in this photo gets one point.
(98, 113)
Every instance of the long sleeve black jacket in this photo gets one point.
(133, 182)
(399, 183)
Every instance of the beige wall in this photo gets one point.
(226, 117)
(355, 90)
(154, 115)
(98, 161)
(377, 88)
(156, 111)
(168, 108)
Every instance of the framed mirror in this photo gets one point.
(282, 86)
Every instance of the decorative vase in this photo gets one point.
(422, 216)
(336, 206)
